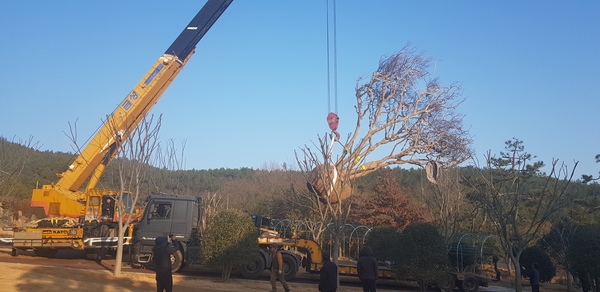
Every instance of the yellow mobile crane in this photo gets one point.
(81, 218)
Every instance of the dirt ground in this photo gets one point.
(33, 278)
(29, 278)
(28, 274)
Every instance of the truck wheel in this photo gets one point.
(254, 269)
(45, 252)
(290, 267)
(469, 284)
(448, 283)
(176, 261)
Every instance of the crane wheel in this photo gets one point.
(290, 267)
(254, 269)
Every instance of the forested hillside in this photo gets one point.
(388, 197)
(257, 191)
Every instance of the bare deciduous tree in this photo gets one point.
(133, 159)
(211, 205)
(520, 209)
(170, 161)
(447, 204)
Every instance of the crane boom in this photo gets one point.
(65, 198)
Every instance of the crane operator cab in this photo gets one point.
(108, 208)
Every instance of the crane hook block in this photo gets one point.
(332, 121)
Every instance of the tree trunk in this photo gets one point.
(336, 244)
(518, 277)
(119, 255)
(569, 282)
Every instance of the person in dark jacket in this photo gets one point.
(161, 258)
(368, 269)
(328, 275)
(534, 277)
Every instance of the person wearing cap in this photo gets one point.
(277, 269)
(328, 275)
(161, 257)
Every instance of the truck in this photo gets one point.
(85, 217)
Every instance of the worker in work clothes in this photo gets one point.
(162, 250)
(277, 269)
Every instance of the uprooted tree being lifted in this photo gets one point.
(404, 115)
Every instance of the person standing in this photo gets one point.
(584, 282)
(277, 269)
(328, 275)
(161, 257)
(534, 278)
(495, 259)
(368, 269)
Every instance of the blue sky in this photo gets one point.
(256, 89)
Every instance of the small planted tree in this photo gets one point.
(423, 255)
(536, 255)
(229, 241)
(384, 241)
(583, 253)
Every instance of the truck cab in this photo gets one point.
(165, 215)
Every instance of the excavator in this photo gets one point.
(79, 215)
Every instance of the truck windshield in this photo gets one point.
(160, 210)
